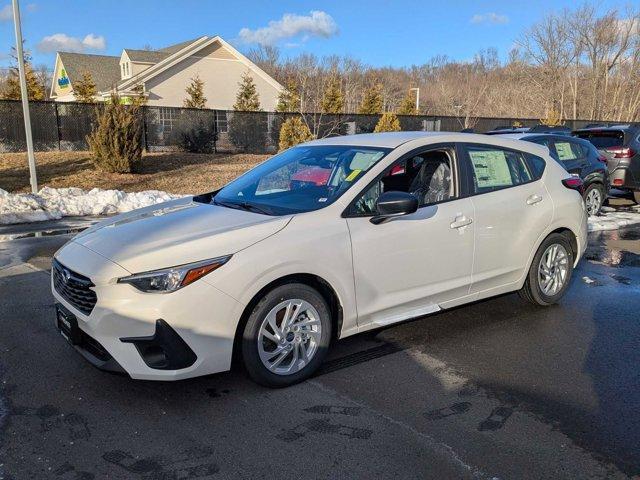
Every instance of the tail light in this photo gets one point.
(622, 152)
(618, 181)
(574, 183)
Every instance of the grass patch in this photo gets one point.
(174, 172)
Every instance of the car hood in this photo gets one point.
(175, 233)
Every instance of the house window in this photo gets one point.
(126, 65)
(166, 118)
(122, 70)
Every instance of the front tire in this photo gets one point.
(550, 272)
(287, 335)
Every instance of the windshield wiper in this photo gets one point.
(249, 207)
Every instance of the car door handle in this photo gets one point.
(533, 199)
(461, 221)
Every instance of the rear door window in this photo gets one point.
(494, 168)
(567, 151)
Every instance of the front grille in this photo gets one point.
(74, 288)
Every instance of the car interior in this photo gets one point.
(427, 176)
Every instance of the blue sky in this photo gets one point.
(378, 32)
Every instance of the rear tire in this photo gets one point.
(550, 272)
(594, 197)
(287, 335)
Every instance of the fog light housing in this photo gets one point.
(164, 350)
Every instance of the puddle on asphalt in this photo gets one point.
(628, 234)
(611, 257)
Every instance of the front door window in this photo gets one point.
(427, 176)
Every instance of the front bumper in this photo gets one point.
(87, 346)
(131, 325)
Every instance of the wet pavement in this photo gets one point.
(496, 389)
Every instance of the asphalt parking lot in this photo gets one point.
(497, 389)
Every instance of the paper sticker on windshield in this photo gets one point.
(353, 175)
(322, 200)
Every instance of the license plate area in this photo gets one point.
(67, 325)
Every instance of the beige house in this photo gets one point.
(162, 75)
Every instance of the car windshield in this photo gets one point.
(604, 140)
(300, 179)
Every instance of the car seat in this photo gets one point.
(433, 181)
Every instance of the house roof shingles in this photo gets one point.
(104, 69)
(171, 49)
(146, 56)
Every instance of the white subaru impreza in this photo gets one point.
(322, 241)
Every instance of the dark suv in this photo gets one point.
(581, 158)
(620, 144)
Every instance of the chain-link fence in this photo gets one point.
(65, 126)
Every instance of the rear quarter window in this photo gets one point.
(536, 165)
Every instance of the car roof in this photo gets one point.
(523, 136)
(608, 127)
(383, 139)
(526, 136)
(395, 139)
(500, 131)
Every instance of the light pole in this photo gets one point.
(25, 97)
(417, 89)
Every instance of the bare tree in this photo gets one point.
(575, 63)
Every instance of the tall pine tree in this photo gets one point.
(195, 90)
(247, 99)
(408, 105)
(85, 89)
(35, 90)
(372, 101)
(289, 98)
(332, 97)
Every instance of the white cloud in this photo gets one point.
(316, 24)
(6, 13)
(94, 42)
(63, 42)
(490, 18)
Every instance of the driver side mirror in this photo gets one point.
(394, 204)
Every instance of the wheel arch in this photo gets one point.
(595, 180)
(571, 237)
(567, 232)
(315, 281)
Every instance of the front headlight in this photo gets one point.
(173, 278)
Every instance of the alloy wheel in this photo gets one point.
(553, 269)
(593, 201)
(289, 336)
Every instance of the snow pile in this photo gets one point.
(612, 219)
(55, 203)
